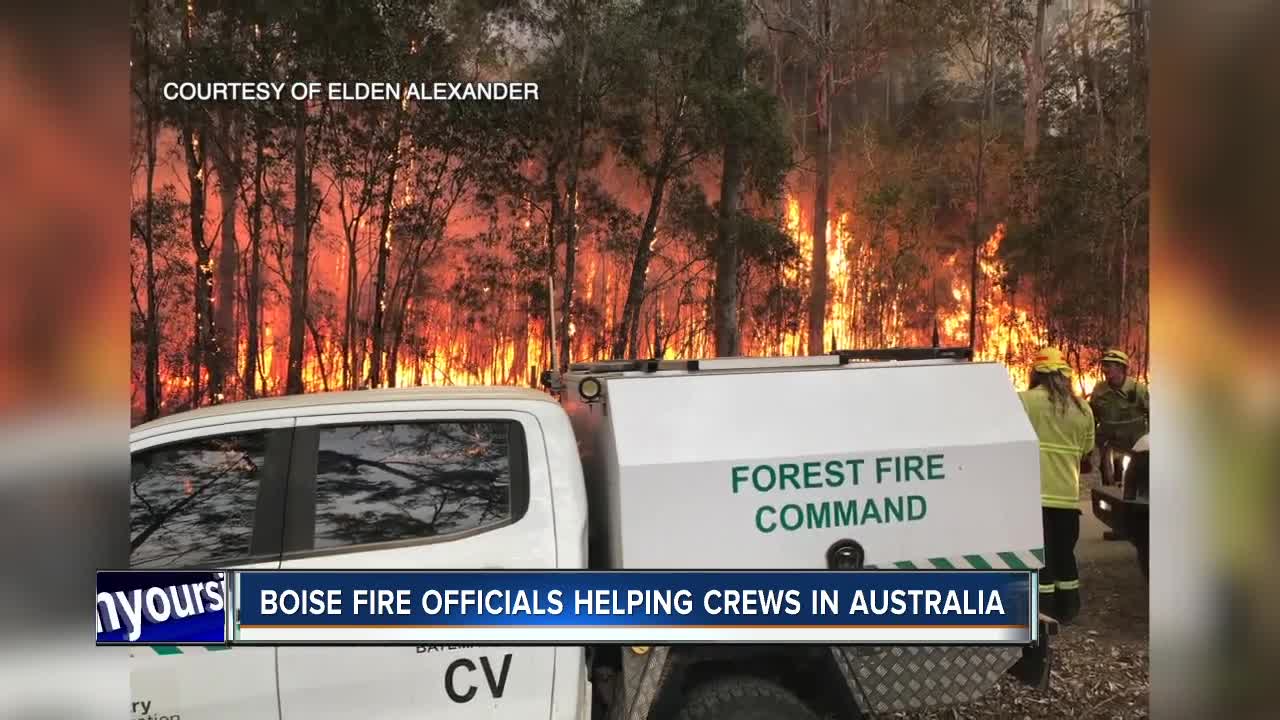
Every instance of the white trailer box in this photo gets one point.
(766, 463)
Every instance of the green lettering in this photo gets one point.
(755, 478)
(799, 517)
(935, 467)
(853, 470)
(846, 513)
(870, 510)
(788, 473)
(819, 515)
(893, 507)
(810, 474)
(915, 502)
(911, 466)
(811, 470)
(883, 465)
(835, 473)
(739, 476)
(759, 519)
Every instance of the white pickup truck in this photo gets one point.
(730, 463)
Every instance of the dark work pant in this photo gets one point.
(1109, 465)
(1060, 577)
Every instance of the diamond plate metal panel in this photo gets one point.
(900, 679)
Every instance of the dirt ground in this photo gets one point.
(1101, 663)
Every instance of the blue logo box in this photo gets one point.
(177, 607)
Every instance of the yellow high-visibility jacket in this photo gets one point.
(1065, 438)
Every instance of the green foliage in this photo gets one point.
(689, 212)
(763, 242)
(756, 120)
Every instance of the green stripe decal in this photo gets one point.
(1013, 561)
(166, 650)
(988, 561)
(215, 648)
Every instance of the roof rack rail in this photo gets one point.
(840, 357)
(751, 363)
(906, 354)
(703, 364)
(612, 366)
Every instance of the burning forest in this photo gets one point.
(976, 173)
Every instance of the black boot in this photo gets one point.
(1068, 604)
(1049, 605)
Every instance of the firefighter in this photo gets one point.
(1121, 407)
(1065, 429)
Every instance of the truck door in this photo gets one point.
(208, 498)
(395, 490)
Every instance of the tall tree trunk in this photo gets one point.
(571, 209)
(975, 238)
(380, 276)
(553, 228)
(393, 353)
(398, 319)
(226, 158)
(570, 253)
(888, 91)
(151, 401)
(625, 339)
(408, 279)
(1122, 307)
(520, 354)
(152, 361)
(349, 369)
(253, 283)
(728, 257)
(1137, 49)
(316, 342)
(821, 196)
(1033, 62)
(203, 288)
(1091, 68)
(351, 235)
(298, 280)
(194, 151)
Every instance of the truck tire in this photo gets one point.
(743, 698)
(1144, 560)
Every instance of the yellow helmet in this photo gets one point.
(1116, 356)
(1050, 360)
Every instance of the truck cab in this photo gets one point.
(445, 478)
(829, 462)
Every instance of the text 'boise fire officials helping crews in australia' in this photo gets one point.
(836, 473)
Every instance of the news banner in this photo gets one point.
(517, 607)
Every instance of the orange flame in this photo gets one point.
(870, 304)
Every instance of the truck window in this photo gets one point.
(396, 481)
(192, 503)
